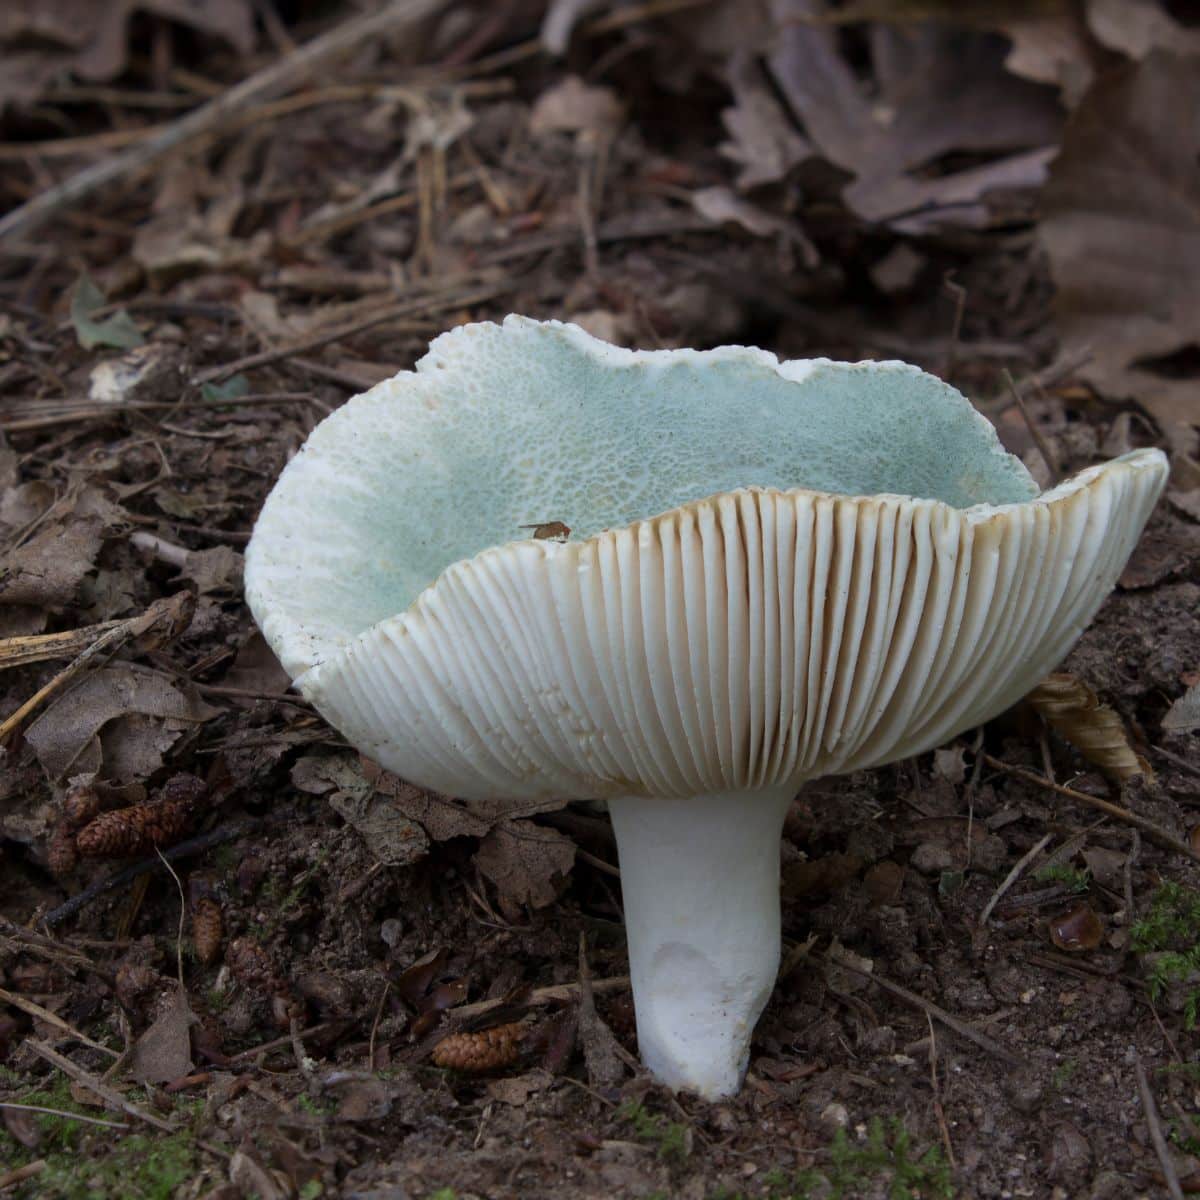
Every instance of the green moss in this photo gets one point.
(89, 1162)
(1170, 934)
(886, 1155)
(1070, 877)
(669, 1138)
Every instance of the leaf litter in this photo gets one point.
(971, 187)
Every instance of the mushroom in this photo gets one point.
(777, 571)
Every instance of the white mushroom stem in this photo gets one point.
(700, 883)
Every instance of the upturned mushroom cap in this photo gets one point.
(778, 570)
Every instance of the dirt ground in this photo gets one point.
(992, 951)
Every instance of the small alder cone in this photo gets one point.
(135, 830)
(62, 856)
(475, 1053)
(206, 929)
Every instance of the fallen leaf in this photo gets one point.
(1121, 225)
(948, 764)
(164, 1051)
(144, 373)
(1136, 27)
(517, 1089)
(763, 140)
(528, 863)
(601, 1051)
(1075, 713)
(47, 570)
(117, 330)
(218, 569)
(1184, 715)
(62, 734)
(898, 121)
(721, 204)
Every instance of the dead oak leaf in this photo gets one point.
(164, 1051)
(933, 91)
(1121, 224)
(47, 570)
(527, 863)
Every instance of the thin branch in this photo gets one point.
(1044, 448)
(1012, 878)
(97, 1086)
(1149, 828)
(50, 1018)
(1156, 1134)
(58, 1112)
(312, 58)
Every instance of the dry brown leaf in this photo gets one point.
(885, 130)
(528, 864)
(1121, 224)
(64, 734)
(164, 1051)
(390, 836)
(721, 204)
(1136, 27)
(47, 570)
(1075, 713)
(1184, 715)
(763, 140)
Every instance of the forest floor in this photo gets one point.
(991, 979)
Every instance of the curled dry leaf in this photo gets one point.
(1077, 929)
(528, 863)
(1184, 715)
(1074, 712)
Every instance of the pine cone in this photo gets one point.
(62, 856)
(134, 830)
(80, 805)
(206, 929)
(475, 1053)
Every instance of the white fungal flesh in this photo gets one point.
(695, 665)
(700, 888)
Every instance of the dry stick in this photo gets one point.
(1178, 760)
(1039, 438)
(196, 845)
(23, 650)
(547, 995)
(1012, 878)
(1156, 1133)
(111, 641)
(1148, 827)
(939, 1111)
(20, 1174)
(92, 412)
(927, 1006)
(95, 1085)
(58, 1112)
(44, 1014)
(280, 1042)
(264, 84)
(407, 308)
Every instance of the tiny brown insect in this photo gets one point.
(206, 929)
(475, 1053)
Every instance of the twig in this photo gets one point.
(280, 1042)
(44, 1014)
(168, 610)
(271, 81)
(547, 995)
(387, 987)
(20, 1174)
(196, 845)
(928, 1007)
(95, 1085)
(58, 1112)
(422, 304)
(959, 293)
(1148, 827)
(938, 1110)
(22, 650)
(1156, 1133)
(1038, 437)
(1178, 760)
(598, 863)
(1012, 878)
